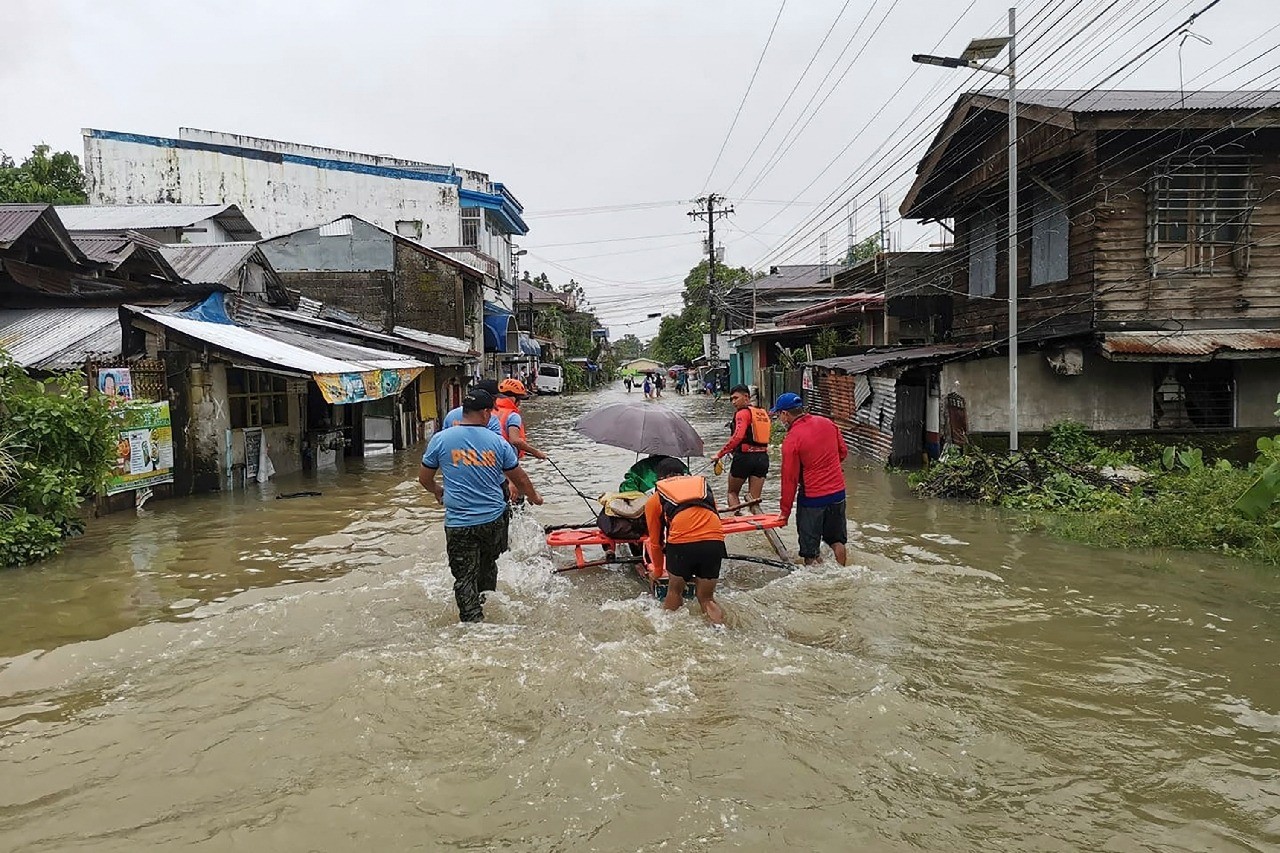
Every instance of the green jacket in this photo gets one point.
(643, 476)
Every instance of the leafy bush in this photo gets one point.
(575, 378)
(57, 443)
(1176, 501)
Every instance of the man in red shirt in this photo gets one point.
(812, 457)
(749, 445)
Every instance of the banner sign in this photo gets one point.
(144, 452)
(371, 385)
(115, 382)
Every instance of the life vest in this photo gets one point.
(676, 494)
(504, 415)
(761, 426)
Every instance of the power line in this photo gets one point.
(745, 94)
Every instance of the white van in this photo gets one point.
(550, 379)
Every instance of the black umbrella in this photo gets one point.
(642, 427)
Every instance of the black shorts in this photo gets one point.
(817, 524)
(747, 465)
(691, 560)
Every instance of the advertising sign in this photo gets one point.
(144, 451)
(370, 385)
(115, 382)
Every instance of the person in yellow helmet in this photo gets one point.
(510, 393)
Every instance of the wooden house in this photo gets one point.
(1148, 267)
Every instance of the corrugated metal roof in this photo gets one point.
(311, 358)
(1142, 100)
(795, 277)
(140, 217)
(831, 309)
(899, 355)
(15, 219)
(208, 263)
(451, 345)
(1190, 345)
(59, 338)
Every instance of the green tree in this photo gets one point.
(43, 177)
(679, 339)
(57, 445)
(628, 347)
(864, 250)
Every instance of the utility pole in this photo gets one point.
(976, 55)
(709, 210)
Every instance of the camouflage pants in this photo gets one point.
(473, 560)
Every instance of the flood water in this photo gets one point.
(237, 672)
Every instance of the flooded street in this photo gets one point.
(238, 672)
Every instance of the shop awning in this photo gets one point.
(529, 346)
(360, 374)
(499, 325)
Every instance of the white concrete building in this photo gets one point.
(283, 187)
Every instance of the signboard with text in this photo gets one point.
(144, 450)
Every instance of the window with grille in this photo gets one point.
(471, 225)
(1199, 217)
(257, 399)
(983, 235)
(1194, 396)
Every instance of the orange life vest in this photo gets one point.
(677, 494)
(504, 415)
(761, 426)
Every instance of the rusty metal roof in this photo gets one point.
(1191, 345)
(210, 263)
(1142, 100)
(832, 310)
(876, 359)
(15, 219)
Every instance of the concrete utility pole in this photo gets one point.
(975, 56)
(709, 203)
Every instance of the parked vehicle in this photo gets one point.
(550, 379)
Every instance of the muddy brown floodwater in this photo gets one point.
(235, 672)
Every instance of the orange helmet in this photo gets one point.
(512, 386)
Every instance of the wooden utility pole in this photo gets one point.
(708, 210)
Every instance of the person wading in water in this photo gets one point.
(686, 537)
(749, 445)
(475, 465)
(813, 476)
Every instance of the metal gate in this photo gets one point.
(908, 425)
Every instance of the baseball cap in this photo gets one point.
(477, 400)
(786, 402)
(490, 385)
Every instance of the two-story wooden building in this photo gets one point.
(1148, 257)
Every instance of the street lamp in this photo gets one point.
(975, 56)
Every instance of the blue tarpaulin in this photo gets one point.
(498, 321)
(212, 310)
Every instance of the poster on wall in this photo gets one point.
(371, 385)
(115, 382)
(144, 450)
(806, 379)
(252, 452)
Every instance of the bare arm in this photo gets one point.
(427, 477)
(520, 479)
(525, 447)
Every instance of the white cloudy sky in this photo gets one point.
(603, 116)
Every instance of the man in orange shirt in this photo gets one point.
(686, 537)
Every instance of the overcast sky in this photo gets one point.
(598, 104)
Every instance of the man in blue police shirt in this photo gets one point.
(475, 465)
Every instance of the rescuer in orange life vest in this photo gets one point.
(686, 537)
(749, 445)
(510, 393)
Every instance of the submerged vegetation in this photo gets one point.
(56, 445)
(1080, 490)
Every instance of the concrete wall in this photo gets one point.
(365, 248)
(429, 293)
(211, 418)
(277, 194)
(369, 295)
(1257, 383)
(1107, 396)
